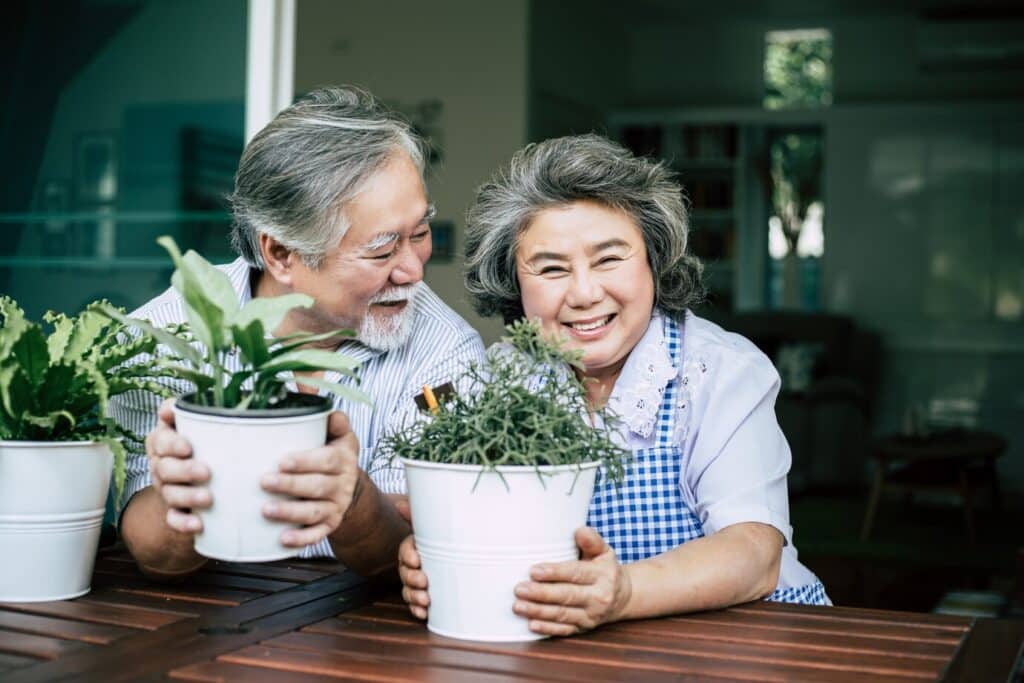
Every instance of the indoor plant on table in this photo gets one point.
(58, 447)
(500, 477)
(242, 422)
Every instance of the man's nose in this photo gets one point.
(408, 269)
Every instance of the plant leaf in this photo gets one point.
(269, 310)
(342, 390)
(50, 421)
(86, 329)
(57, 342)
(171, 341)
(251, 342)
(14, 324)
(52, 391)
(300, 339)
(312, 359)
(30, 352)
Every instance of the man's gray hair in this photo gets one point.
(297, 174)
(559, 172)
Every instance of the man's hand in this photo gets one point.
(569, 597)
(177, 477)
(325, 479)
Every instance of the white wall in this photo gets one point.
(470, 55)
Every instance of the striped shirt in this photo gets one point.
(440, 347)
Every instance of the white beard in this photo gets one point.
(387, 333)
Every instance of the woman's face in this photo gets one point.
(583, 273)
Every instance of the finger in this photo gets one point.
(404, 509)
(177, 496)
(590, 543)
(179, 470)
(573, 571)
(335, 458)
(308, 486)
(418, 612)
(164, 441)
(553, 628)
(184, 522)
(407, 553)
(310, 535)
(416, 597)
(412, 578)
(304, 512)
(562, 594)
(338, 425)
(559, 614)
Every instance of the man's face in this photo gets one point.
(367, 283)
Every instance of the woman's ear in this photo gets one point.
(278, 259)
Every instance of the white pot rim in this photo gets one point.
(245, 420)
(48, 444)
(503, 469)
(57, 518)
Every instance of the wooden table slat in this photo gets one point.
(112, 597)
(98, 634)
(10, 662)
(742, 663)
(272, 570)
(128, 575)
(219, 672)
(41, 647)
(358, 666)
(858, 614)
(426, 652)
(118, 615)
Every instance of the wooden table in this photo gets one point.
(951, 461)
(304, 621)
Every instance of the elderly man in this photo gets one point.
(329, 201)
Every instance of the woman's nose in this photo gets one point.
(584, 290)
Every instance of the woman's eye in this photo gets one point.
(552, 270)
(609, 259)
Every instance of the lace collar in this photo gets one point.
(641, 385)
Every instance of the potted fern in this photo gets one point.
(58, 448)
(242, 422)
(500, 477)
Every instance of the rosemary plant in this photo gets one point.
(223, 327)
(524, 406)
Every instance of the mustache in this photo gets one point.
(400, 293)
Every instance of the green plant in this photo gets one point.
(222, 328)
(524, 406)
(56, 387)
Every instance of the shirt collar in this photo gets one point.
(639, 389)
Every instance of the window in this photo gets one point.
(798, 69)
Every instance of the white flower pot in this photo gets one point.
(478, 533)
(52, 499)
(240, 447)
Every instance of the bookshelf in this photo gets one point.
(708, 160)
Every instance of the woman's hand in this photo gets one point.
(414, 581)
(569, 597)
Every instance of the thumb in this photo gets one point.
(590, 543)
(404, 509)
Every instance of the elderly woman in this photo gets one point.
(580, 234)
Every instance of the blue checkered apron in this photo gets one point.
(645, 515)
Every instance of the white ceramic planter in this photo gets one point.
(52, 499)
(479, 534)
(239, 449)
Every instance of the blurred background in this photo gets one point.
(855, 174)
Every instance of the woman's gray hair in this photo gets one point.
(297, 174)
(559, 172)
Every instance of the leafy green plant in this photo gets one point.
(56, 387)
(524, 406)
(223, 327)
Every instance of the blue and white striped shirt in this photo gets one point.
(440, 347)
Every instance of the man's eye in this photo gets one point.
(382, 257)
(608, 260)
(420, 236)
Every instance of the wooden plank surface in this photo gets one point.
(99, 634)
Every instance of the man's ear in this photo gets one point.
(278, 259)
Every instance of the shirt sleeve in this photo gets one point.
(736, 470)
(135, 411)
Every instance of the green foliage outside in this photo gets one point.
(798, 70)
(222, 327)
(796, 169)
(57, 387)
(524, 407)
